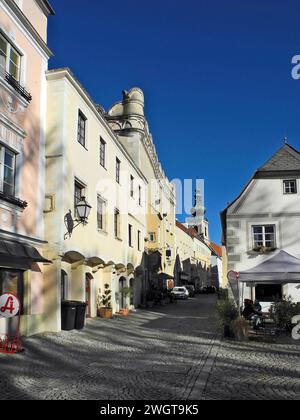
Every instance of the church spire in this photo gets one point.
(197, 221)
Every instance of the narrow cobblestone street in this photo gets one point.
(172, 352)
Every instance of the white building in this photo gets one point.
(263, 221)
(216, 265)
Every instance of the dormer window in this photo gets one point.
(290, 186)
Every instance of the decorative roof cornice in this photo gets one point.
(46, 7)
(17, 12)
(150, 149)
(56, 74)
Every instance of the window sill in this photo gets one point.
(102, 232)
(13, 200)
(263, 250)
(12, 91)
(118, 239)
(17, 87)
(82, 145)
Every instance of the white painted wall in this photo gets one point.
(263, 203)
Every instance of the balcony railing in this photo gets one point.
(13, 200)
(16, 85)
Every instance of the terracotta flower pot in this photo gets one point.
(105, 313)
(124, 312)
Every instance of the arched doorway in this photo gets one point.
(64, 285)
(122, 301)
(88, 294)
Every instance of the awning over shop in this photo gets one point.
(19, 255)
(282, 268)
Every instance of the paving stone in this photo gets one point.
(169, 353)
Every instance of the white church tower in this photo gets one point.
(198, 221)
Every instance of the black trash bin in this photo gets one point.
(80, 315)
(68, 315)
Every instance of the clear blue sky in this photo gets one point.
(216, 74)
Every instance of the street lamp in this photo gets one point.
(83, 210)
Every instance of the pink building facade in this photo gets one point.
(24, 59)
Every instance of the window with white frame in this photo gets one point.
(130, 230)
(131, 186)
(81, 133)
(117, 223)
(264, 236)
(102, 152)
(118, 170)
(101, 213)
(290, 186)
(7, 171)
(152, 237)
(79, 193)
(10, 58)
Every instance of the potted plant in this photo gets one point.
(264, 249)
(282, 313)
(227, 313)
(126, 292)
(104, 308)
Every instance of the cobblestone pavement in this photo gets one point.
(168, 353)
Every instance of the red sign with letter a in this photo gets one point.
(9, 305)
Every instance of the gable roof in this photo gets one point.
(286, 159)
(217, 249)
(192, 233)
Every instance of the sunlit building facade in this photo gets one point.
(23, 94)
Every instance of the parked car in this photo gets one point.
(180, 293)
(191, 289)
(208, 290)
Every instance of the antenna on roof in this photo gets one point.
(285, 140)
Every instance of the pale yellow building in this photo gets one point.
(193, 262)
(84, 158)
(127, 119)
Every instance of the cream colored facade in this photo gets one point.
(127, 119)
(193, 261)
(92, 256)
(23, 62)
